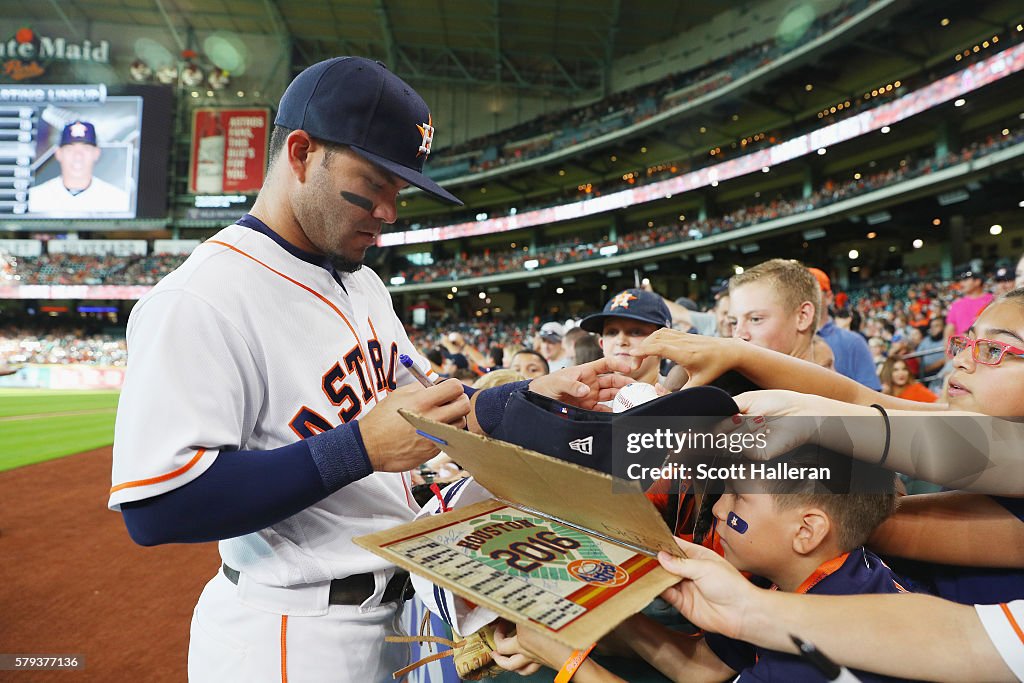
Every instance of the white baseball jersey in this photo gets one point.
(99, 197)
(248, 347)
(1004, 624)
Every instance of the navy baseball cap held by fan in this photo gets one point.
(585, 437)
(635, 304)
(357, 102)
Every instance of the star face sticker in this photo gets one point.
(78, 130)
(622, 300)
(736, 522)
(427, 131)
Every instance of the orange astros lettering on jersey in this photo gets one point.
(307, 423)
(339, 386)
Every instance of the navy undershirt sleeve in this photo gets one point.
(245, 491)
(490, 404)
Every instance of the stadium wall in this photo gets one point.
(64, 377)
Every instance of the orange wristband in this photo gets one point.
(574, 662)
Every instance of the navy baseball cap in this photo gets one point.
(635, 304)
(78, 131)
(1004, 274)
(357, 102)
(560, 430)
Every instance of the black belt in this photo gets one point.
(355, 589)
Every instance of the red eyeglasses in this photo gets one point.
(984, 351)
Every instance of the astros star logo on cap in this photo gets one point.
(78, 130)
(622, 300)
(427, 131)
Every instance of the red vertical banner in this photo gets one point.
(229, 150)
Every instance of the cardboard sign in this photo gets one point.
(555, 550)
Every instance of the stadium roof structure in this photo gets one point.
(534, 45)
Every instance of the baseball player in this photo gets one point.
(77, 191)
(260, 403)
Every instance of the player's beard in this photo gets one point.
(316, 211)
(343, 264)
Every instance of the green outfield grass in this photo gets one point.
(37, 425)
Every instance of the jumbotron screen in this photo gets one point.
(81, 152)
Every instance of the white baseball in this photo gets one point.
(632, 395)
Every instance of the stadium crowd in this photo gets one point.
(829, 192)
(62, 346)
(70, 269)
(560, 130)
(902, 320)
(894, 318)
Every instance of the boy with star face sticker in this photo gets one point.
(794, 535)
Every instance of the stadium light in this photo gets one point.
(995, 229)
(959, 102)
(853, 254)
(918, 243)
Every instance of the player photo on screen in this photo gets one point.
(86, 161)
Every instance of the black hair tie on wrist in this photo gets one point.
(888, 433)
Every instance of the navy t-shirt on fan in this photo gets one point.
(980, 586)
(858, 572)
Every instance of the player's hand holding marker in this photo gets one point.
(392, 443)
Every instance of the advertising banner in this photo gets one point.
(229, 151)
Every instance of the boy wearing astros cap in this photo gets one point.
(627, 319)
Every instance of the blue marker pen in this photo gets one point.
(409, 365)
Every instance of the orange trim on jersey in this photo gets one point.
(318, 295)
(821, 572)
(163, 477)
(1013, 622)
(284, 648)
(408, 493)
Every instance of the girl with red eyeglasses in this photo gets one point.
(971, 440)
